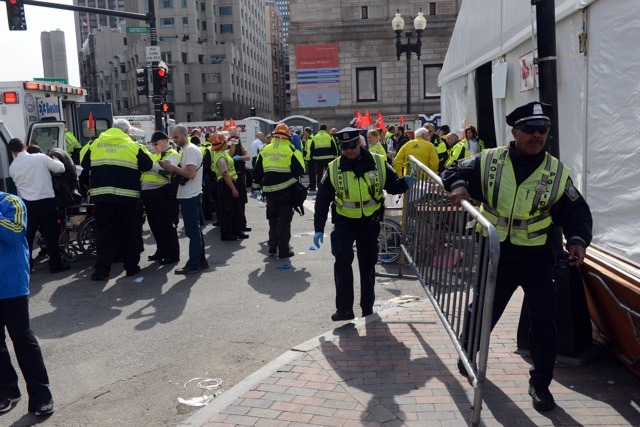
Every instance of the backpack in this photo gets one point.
(297, 197)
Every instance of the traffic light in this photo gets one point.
(219, 111)
(252, 112)
(161, 79)
(168, 107)
(15, 15)
(142, 81)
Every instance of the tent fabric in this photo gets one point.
(598, 97)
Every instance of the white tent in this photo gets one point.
(598, 95)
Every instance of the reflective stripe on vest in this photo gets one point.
(352, 199)
(322, 141)
(152, 176)
(217, 155)
(121, 154)
(521, 212)
(277, 158)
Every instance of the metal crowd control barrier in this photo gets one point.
(455, 265)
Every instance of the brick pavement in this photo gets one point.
(399, 369)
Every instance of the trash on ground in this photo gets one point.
(284, 267)
(138, 279)
(313, 248)
(207, 385)
(403, 299)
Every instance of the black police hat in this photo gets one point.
(531, 114)
(157, 136)
(347, 134)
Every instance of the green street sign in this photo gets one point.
(138, 30)
(52, 80)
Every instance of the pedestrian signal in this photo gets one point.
(168, 107)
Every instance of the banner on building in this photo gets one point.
(317, 74)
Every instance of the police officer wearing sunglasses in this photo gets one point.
(353, 185)
(523, 191)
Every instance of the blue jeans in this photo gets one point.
(190, 209)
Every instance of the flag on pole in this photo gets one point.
(380, 122)
(367, 120)
(225, 126)
(232, 123)
(402, 119)
(358, 120)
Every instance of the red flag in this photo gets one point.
(358, 122)
(92, 123)
(367, 120)
(402, 119)
(232, 123)
(225, 126)
(380, 122)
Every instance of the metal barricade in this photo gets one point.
(456, 266)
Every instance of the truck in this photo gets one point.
(38, 112)
(143, 126)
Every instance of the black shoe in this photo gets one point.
(155, 257)
(44, 409)
(272, 251)
(542, 400)
(59, 268)
(462, 369)
(204, 265)
(340, 315)
(367, 313)
(242, 236)
(228, 238)
(99, 276)
(310, 188)
(165, 261)
(187, 270)
(7, 403)
(287, 255)
(133, 271)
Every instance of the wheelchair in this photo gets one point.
(78, 235)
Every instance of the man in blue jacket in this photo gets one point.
(14, 314)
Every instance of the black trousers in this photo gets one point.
(117, 222)
(228, 209)
(279, 215)
(311, 169)
(241, 186)
(365, 235)
(320, 166)
(14, 316)
(160, 204)
(43, 215)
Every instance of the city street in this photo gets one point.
(119, 352)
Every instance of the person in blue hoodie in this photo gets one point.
(14, 314)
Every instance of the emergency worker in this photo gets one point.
(444, 150)
(529, 192)
(114, 164)
(467, 147)
(278, 168)
(72, 146)
(228, 203)
(375, 145)
(160, 203)
(322, 150)
(421, 149)
(240, 156)
(353, 186)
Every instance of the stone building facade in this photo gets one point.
(369, 74)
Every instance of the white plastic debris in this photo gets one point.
(207, 385)
(138, 279)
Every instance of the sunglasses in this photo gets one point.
(349, 145)
(530, 130)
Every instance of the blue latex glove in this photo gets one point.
(236, 158)
(318, 238)
(409, 180)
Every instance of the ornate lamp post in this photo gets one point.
(419, 23)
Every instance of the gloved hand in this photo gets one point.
(409, 180)
(236, 158)
(318, 238)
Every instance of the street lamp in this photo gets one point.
(419, 23)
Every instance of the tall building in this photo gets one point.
(279, 61)
(87, 22)
(283, 5)
(54, 54)
(216, 51)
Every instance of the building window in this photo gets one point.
(189, 116)
(431, 72)
(365, 12)
(186, 79)
(204, 25)
(166, 4)
(225, 11)
(167, 22)
(210, 96)
(187, 96)
(184, 4)
(184, 57)
(203, 7)
(226, 28)
(210, 78)
(185, 21)
(366, 89)
(166, 57)
(432, 8)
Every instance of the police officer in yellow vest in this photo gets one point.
(160, 203)
(228, 203)
(322, 150)
(353, 186)
(524, 191)
(278, 168)
(114, 163)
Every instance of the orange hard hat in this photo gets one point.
(282, 131)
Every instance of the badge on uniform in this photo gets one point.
(571, 191)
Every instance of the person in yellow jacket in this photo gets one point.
(114, 164)
(421, 149)
(467, 147)
(354, 187)
(160, 203)
(322, 150)
(72, 146)
(375, 145)
(526, 192)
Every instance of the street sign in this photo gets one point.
(62, 80)
(138, 30)
(153, 54)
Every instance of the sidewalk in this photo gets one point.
(399, 368)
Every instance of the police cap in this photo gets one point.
(158, 135)
(347, 135)
(531, 114)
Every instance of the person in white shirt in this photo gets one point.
(256, 146)
(32, 175)
(189, 197)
